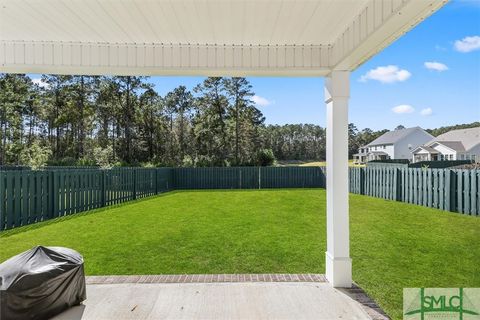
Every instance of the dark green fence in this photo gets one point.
(29, 196)
(445, 189)
(439, 164)
(249, 177)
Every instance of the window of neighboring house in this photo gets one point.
(451, 157)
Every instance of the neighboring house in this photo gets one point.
(397, 144)
(462, 144)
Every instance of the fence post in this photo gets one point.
(259, 177)
(240, 178)
(54, 193)
(447, 189)
(361, 182)
(135, 183)
(102, 187)
(156, 180)
(395, 184)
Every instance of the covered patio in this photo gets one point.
(321, 38)
(227, 296)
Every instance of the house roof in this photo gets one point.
(393, 137)
(454, 145)
(426, 148)
(459, 140)
(361, 154)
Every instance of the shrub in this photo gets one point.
(103, 157)
(188, 161)
(35, 156)
(265, 157)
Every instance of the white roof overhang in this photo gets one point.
(200, 37)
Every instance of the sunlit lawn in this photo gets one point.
(394, 245)
(324, 163)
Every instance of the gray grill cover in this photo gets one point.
(40, 283)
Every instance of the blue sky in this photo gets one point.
(447, 97)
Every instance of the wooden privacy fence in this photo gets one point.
(28, 196)
(445, 189)
(31, 196)
(249, 177)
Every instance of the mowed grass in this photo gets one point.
(324, 163)
(394, 245)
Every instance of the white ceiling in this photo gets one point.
(201, 37)
(230, 22)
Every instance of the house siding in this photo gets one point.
(475, 151)
(446, 153)
(404, 147)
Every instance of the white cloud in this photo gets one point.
(261, 101)
(437, 66)
(40, 83)
(403, 108)
(426, 112)
(468, 44)
(386, 74)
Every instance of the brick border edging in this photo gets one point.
(355, 292)
(207, 278)
(367, 303)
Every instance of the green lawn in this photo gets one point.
(394, 245)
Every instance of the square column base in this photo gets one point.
(338, 271)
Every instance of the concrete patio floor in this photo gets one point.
(220, 297)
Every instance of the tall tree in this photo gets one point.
(210, 125)
(180, 102)
(128, 87)
(239, 91)
(14, 94)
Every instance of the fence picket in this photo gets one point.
(3, 211)
(466, 192)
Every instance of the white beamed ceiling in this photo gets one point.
(210, 37)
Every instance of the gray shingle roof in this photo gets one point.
(429, 149)
(454, 145)
(459, 140)
(392, 137)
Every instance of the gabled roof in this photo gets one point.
(428, 149)
(459, 140)
(394, 136)
(454, 145)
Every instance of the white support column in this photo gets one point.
(337, 257)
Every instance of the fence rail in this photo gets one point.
(28, 196)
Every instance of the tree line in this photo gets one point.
(75, 120)
(122, 120)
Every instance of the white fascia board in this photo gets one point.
(162, 59)
(376, 27)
